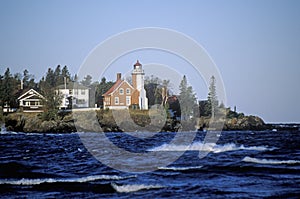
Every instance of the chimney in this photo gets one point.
(22, 84)
(118, 76)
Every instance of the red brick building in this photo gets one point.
(122, 94)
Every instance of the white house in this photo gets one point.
(31, 101)
(74, 95)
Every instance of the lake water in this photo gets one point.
(240, 165)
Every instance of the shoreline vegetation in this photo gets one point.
(172, 112)
(103, 121)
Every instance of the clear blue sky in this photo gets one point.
(255, 44)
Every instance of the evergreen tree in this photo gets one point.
(212, 97)
(50, 78)
(52, 98)
(187, 99)
(101, 88)
(25, 78)
(154, 87)
(28, 80)
(1, 91)
(87, 81)
(51, 103)
(65, 72)
(9, 89)
(58, 78)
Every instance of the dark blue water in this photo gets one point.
(241, 165)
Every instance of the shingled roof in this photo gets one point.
(112, 89)
(72, 85)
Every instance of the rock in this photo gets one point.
(15, 122)
(32, 125)
(236, 123)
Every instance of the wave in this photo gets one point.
(28, 182)
(5, 132)
(179, 168)
(269, 161)
(210, 147)
(134, 187)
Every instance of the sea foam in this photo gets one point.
(210, 147)
(180, 168)
(269, 161)
(134, 187)
(28, 182)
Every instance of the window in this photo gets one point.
(80, 101)
(82, 92)
(116, 100)
(121, 91)
(127, 90)
(128, 100)
(70, 92)
(76, 91)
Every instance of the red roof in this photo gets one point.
(137, 63)
(112, 89)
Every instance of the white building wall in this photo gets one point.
(80, 99)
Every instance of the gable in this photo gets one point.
(35, 97)
(123, 84)
(116, 86)
(30, 94)
(112, 89)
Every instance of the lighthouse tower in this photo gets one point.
(138, 83)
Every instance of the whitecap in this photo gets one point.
(27, 182)
(4, 132)
(269, 161)
(134, 187)
(210, 147)
(180, 168)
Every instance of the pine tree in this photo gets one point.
(1, 90)
(50, 78)
(87, 81)
(52, 98)
(65, 73)
(101, 88)
(25, 78)
(212, 97)
(187, 99)
(28, 80)
(8, 88)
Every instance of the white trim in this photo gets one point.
(123, 81)
(31, 90)
(30, 97)
(33, 111)
(121, 89)
(128, 99)
(128, 93)
(117, 107)
(115, 100)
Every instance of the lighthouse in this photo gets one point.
(138, 83)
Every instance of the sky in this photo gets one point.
(254, 44)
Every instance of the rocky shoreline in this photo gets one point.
(237, 123)
(29, 122)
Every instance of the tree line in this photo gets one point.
(13, 85)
